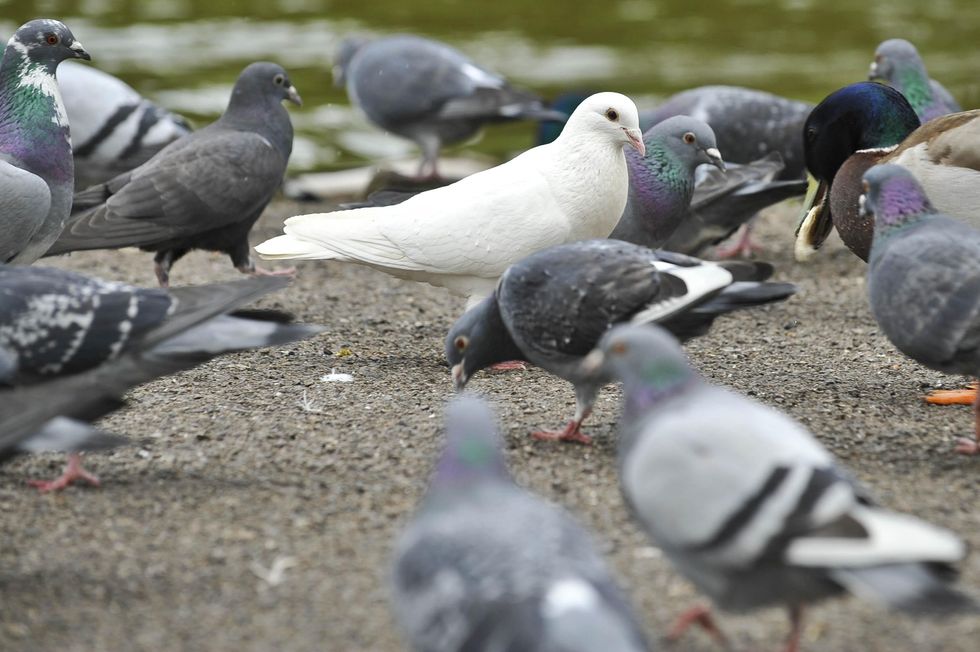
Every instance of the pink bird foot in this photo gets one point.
(967, 446)
(73, 473)
(701, 616)
(570, 433)
(510, 365)
(743, 247)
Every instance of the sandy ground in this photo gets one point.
(259, 508)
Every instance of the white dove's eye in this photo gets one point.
(689, 137)
(461, 342)
(278, 80)
(52, 39)
(612, 114)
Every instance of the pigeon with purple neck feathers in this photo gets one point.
(56, 324)
(924, 281)
(748, 505)
(203, 191)
(552, 307)
(485, 565)
(36, 169)
(898, 64)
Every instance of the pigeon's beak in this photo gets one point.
(459, 377)
(816, 223)
(635, 139)
(714, 158)
(592, 363)
(293, 96)
(78, 51)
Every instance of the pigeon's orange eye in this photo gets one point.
(689, 138)
(612, 114)
(461, 342)
(619, 348)
(52, 39)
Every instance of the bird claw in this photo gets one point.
(510, 365)
(743, 247)
(570, 433)
(698, 615)
(74, 473)
(967, 446)
(966, 396)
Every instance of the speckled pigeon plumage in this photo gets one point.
(749, 506)
(748, 123)
(55, 323)
(898, 64)
(36, 168)
(428, 92)
(552, 307)
(203, 191)
(485, 565)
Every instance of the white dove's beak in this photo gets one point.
(593, 362)
(715, 156)
(635, 139)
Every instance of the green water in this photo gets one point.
(186, 54)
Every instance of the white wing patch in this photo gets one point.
(569, 595)
(701, 280)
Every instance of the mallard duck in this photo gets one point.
(868, 123)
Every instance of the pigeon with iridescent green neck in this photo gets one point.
(662, 179)
(37, 173)
(898, 64)
(485, 565)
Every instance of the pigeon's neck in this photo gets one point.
(469, 459)
(658, 381)
(913, 82)
(660, 183)
(33, 122)
(900, 205)
(266, 117)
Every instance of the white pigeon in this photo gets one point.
(750, 507)
(465, 235)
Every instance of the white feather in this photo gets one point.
(701, 280)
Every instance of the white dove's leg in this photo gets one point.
(241, 258)
(73, 473)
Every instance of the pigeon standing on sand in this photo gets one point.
(750, 507)
(55, 323)
(464, 235)
(204, 191)
(662, 179)
(924, 281)
(551, 309)
(36, 168)
(428, 92)
(898, 64)
(114, 129)
(485, 565)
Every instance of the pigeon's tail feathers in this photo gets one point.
(744, 294)
(65, 435)
(227, 334)
(745, 270)
(499, 103)
(918, 588)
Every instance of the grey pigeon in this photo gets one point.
(36, 169)
(55, 323)
(747, 123)
(485, 565)
(552, 307)
(749, 506)
(114, 129)
(924, 280)
(429, 92)
(662, 179)
(898, 64)
(204, 191)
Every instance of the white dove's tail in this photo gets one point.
(287, 247)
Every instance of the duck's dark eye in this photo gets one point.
(278, 79)
(689, 137)
(612, 114)
(52, 39)
(461, 342)
(811, 133)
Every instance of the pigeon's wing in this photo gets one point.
(944, 96)
(712, 183)
(221, 179)
(25, 200)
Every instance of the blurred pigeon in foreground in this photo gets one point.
(551, 308)
(485, 565)
(55, 323)
(750, 507)
(924, 282)
(113, 128)
(662, 179)
(464, 235)
(428, 92)
(204, 191)
(36, 169)
(898, 64)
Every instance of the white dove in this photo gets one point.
(464, 236)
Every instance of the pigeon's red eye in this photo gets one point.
(461, 343)
(619, 348)
(52, 39)
(689, 138)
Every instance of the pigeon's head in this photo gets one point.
(892, 58)
(610, 116)
(689, 139)
(264, 80)
(345, 53)
(473, 447)
(48, 42)
(893, 197)
(640, 356)
(477, 340)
